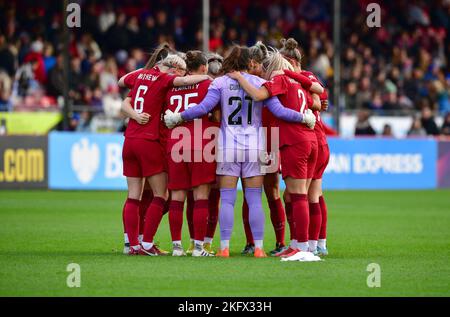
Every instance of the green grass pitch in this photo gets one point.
(405, 232)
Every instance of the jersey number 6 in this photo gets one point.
(139, 100)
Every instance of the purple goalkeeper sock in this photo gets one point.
(226, 212)
(256, 213)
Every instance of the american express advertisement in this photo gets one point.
(94, 161)
(382, 163)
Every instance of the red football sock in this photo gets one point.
(289, 218)
(200, 219)
(147, 196)
(315, 220)
(245, 219)
(213, 216)
(190, 213)
(324, 212)
(278, 219)
(123, 217)
(153, 217)
(167, 205)
(131, 219)
(176, 219)
(300, 213)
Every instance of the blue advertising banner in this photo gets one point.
(94, 161)
(381, 164)
(85, 161)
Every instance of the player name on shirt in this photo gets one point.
(148, 77)
(195, 86)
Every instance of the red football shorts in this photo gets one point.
(299, 160)
(142, 158)
(191, 172)
(323, 157)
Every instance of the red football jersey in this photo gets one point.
(292, 96)
(318, 128)
(178, 99)
(148, 95)
(130, 78)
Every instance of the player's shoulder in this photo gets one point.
(205, 83)
(279, 79)
(254, 79)
(220, 82)
(310, 75)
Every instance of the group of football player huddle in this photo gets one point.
(199, 123)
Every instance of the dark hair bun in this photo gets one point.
(190, 55)
(290, 44)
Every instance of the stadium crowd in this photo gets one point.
(400, 68)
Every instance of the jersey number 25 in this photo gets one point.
(183, 102)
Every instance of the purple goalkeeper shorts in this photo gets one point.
(239, 163)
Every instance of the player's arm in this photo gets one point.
(324, 101)
(127, 80)
(215, 115)
(128, 111)
(257, 94)
(286, 114)
(189, 80)
(211, 99)
(317, 105)
(308, 84)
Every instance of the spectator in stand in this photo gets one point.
(7, 58)
(387, 131)
(36, 57)
(5, 91)
(416, 129)
(363, 127)
(445, 130)
(394, 69)
(56, 78)
(428, 122)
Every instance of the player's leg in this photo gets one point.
(253, 191)
(300, 210)
(176, 220)
(295, 159)
(146, 199)
(315, 215)
(201, 204)
(190, 219)
(213, 216)
(277, 213)
(322, 242)
(226, 213)
(131, 211)
(250, 243)
(179, 184)
(314, 208)
(154, 213)
(290, 220)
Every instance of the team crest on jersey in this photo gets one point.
(234, 87)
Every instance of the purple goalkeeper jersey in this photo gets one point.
(241, 122)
